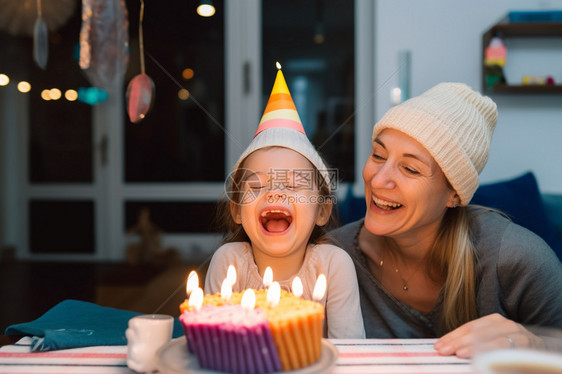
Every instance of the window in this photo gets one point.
(314, 42)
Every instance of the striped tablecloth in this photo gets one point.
(355, 356)
(394, 356)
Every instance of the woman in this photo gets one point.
(428, 264)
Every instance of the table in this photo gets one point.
(355, 356)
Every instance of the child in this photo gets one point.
(280, 198)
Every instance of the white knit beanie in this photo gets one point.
(455, 124)
(280, 126)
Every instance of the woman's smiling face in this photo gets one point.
(279, 208)
(405, 190)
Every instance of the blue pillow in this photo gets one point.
(521, 200)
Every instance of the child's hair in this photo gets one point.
(234, 232)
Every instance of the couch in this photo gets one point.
(519, 198)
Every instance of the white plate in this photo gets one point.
(173, 358)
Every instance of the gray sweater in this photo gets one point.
(517, 275)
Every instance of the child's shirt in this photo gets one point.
(341, 300)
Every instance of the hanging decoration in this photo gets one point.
(18, 17)
(140, 92)
(40, 39)
(104, 39)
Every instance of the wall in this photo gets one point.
(445, 38)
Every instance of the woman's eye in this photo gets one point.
(411, 171)
(377, 156)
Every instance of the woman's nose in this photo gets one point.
(384, 177)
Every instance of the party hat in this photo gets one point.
(280, 110)
(280, 126)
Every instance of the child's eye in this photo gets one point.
(255, 186)
(294, 187)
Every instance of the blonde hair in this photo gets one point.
(453, 260)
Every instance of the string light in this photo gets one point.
(4, 79)
(55, 93)
(24, 87)
(71, 95)
(46, 95)
(183, 94)
(187, 73)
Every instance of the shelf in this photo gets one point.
(506, 29)
(526, 30)
(530, 89)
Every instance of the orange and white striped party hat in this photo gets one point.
(280, 110)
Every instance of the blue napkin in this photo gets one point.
(74, 323)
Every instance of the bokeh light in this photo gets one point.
(4, 79)
(183, 94)
(187, 73)
(206, 9)
(46, 95)
(24, 87)
(71, 95)
(55, 94)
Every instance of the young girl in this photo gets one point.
(280, 197)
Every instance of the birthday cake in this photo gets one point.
(224, 336)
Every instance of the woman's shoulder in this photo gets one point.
(507, 242)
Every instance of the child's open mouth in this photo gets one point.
(276, 220)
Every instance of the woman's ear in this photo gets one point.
(454, 201)
(235, 212)
(324, 213)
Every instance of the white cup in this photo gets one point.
(145, 335)
(545, 358)
(518, 361)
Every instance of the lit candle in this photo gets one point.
(296, 287)
(319, 288)
(231, 274)
(267, 277)
(192, 282)
(274, 294)
(248, 299)
(196, 299)
(318, 294)
(226, 289)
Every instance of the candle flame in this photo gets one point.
(196, 299)
(267, 277)
(296, 287)
(226, 289)
(192, 282)
(231, 274)
(248, 299)
(274, 294)
(319, 288)
(278, 65)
